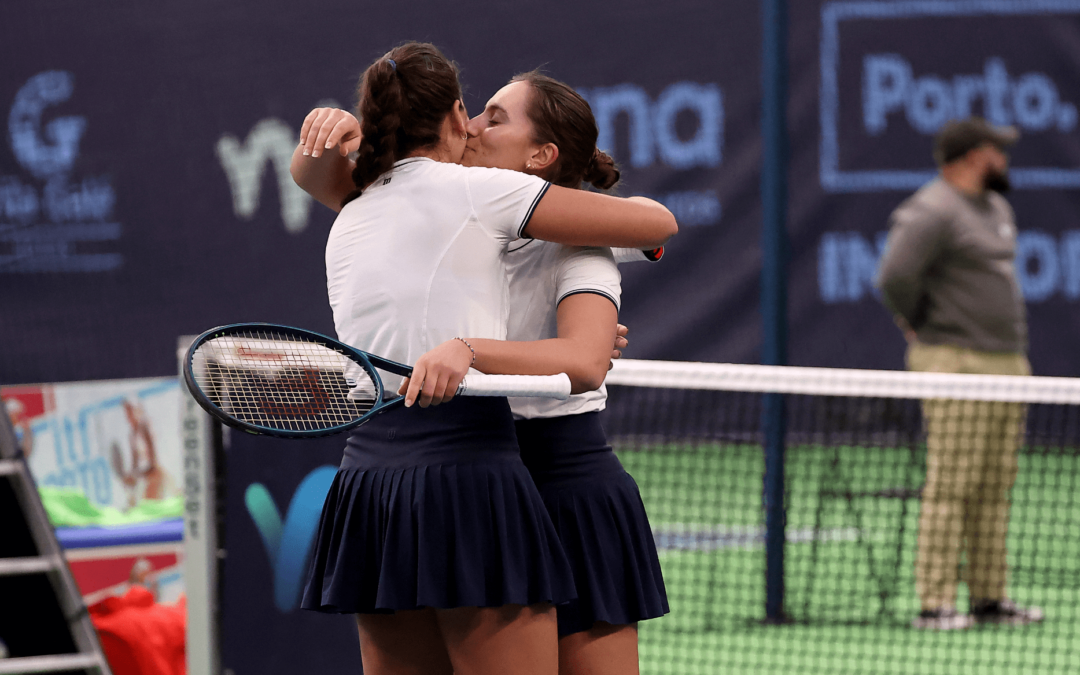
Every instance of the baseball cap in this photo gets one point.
(958, 137)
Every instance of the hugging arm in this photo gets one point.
(587, 336)
(580, 218)
(317, 167)
(564, 215)
(583, 350)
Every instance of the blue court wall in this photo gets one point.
(144, 189)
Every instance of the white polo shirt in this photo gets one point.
(542, 274)
(418, 259)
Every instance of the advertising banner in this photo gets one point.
(275, 494)
(869, 91)
(106, 459)
(117, 442)
(145, 192)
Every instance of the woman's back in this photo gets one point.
(418, 258)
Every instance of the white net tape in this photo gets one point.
(843, 382)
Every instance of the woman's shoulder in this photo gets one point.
(448, 171)
(485, 175)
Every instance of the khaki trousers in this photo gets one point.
(971, 465)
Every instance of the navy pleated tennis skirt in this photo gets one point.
(597, 510)
(434, 508)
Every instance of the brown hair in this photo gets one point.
(561, 116)
(404, 98)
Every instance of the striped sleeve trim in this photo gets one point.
(513, 250)
(532, 207)
(594, 291)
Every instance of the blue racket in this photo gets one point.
(292, 383)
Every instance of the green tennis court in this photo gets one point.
(851, 533)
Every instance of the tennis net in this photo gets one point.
(877, 527)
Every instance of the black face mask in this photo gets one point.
(997, 181)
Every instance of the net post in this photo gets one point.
(774, 425)
(204, 503)
(774, 289)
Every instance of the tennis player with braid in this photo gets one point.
(433, 533)
(568, 298)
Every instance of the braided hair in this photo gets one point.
(404, 97)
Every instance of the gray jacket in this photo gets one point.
(949, 269)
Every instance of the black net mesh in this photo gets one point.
(894, 505)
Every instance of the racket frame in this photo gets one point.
(369, 362)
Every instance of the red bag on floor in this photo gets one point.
(139, 636)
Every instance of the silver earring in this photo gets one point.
(528, 165)
(465, 137)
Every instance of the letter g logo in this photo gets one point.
(288, 544)
(52, 149)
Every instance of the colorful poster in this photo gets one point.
(105, 572)
(118, 441)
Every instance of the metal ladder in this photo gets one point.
(31, 558)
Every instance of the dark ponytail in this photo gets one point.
(560, 115)
(404, 97)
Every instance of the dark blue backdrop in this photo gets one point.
(275, 493)
(144, 190)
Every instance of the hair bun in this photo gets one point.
(601, 172)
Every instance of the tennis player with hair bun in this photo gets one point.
(568, 299)
(433, 532)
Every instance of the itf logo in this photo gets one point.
(897, 97)
(288, 542)
(42, 227)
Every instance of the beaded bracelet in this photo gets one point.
(470, 349)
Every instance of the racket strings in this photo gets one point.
(283, 381)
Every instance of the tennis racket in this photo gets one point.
(293, 383)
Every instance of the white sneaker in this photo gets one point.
(1005, 612)
(946, 618)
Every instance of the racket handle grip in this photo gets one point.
(540, 386)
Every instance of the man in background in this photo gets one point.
(948, 275)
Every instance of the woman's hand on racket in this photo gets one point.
(437, 374)
(325, 128)
(621, 343)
